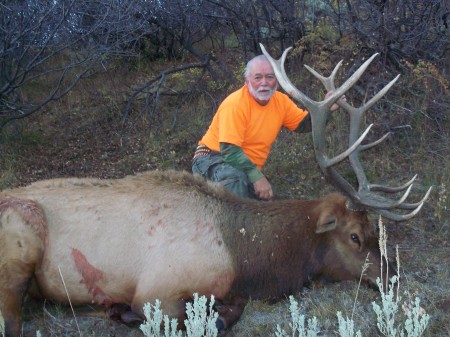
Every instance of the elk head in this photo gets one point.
(362, 197)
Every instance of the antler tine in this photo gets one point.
(283, 79)
(385, 203)
(378, 202)
(356, 114)
(399, 217)
(416, 204)
(363, 196)
(337, 159)
(328, 82)
(379, 95)
(375, 143)
(388, 189)
(402, 217)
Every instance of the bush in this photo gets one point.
(199, 322)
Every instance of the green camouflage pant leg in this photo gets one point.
(213, 168)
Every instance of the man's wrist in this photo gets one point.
(254, 174)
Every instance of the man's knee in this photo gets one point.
(214, 169)
(233, 180)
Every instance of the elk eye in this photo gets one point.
(355, 239)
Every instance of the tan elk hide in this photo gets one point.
(167, 235)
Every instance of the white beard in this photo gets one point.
(262, 96)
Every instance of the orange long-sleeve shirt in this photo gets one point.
(241, 121)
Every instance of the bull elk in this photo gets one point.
(166, 235)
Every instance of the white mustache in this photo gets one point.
(263, 93)
(263, 89)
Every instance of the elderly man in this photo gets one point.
(237, 143)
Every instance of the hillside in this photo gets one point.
(83, 135)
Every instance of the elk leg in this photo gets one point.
(123, 313)
(21, 249)
(229, 313)
(173, 308)
(19, 253)
(11, 304)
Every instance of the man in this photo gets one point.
(237, 143)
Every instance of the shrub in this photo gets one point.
(298, 323)
(346, 326)
(199, 323)
(387, 313)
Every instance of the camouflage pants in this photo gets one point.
(213, 168)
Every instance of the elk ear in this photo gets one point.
(326, 222)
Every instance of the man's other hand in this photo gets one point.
(263, 189)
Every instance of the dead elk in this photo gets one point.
(166, 235)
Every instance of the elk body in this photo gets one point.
(167, 235)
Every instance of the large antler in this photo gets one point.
(364, 196)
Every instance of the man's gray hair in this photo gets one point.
(250, 63)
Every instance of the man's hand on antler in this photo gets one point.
(335, 106)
